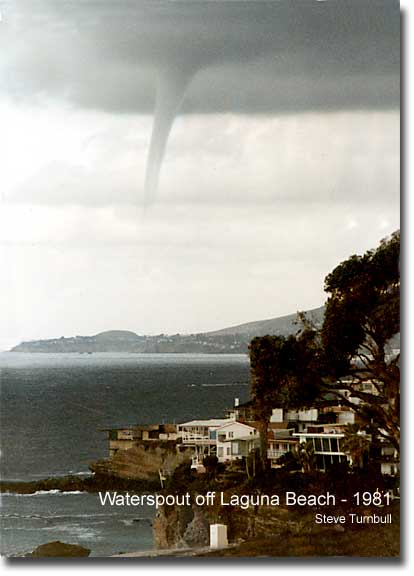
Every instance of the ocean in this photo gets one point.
(52, 410)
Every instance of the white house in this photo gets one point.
(343, 414)
(235, 440)
(301, 418)
(201, 436)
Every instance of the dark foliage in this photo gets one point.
(362, 315)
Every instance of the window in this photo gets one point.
(213, 434)
(228, 451)
(220, 452)
(235, 448)
(231, 434)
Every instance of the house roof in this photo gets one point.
(211, 422)
(279, 434)
(319, 434)
(279, 425)
(322, 426)
(252, 423)
(145, 427)
(244, 424)
(285, 439)
(245, 404)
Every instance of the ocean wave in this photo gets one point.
(72, 492)
(80, 532)
(15, 516)
(132, 521)
(92, 515)
(76, 530)
(45, 493)
(60, 474)
(126, 522)
(224, 384)
(48, 518)
(21, 528)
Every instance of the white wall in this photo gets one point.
(277, 415)
(234, 430)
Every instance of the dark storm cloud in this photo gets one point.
(266, 205)
(285, 55)
(245, 56)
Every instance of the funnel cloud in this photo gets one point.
(284, 161)
(171, 88)
(250, 57)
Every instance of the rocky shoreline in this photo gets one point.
(92, 483)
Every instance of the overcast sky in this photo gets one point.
(282, 161)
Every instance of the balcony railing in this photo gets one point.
(276, 453)
(189, 438)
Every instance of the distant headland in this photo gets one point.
(232, 340)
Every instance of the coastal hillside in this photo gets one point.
(111, 341)
(283, 326)
(232, 340)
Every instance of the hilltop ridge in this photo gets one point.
(283, 325)
(232, 340)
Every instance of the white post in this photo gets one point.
(218, 536)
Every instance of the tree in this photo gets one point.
(362, 315)
(355, 444)
(306, 456)
(210, 463)
(282, 375)
(351, 353)
(289, 461)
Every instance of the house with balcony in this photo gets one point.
(201, 437)
(280, 441)
(326, 440)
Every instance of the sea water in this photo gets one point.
(53, 409)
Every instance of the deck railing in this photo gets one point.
(190, 437)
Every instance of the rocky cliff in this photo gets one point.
(142, 462)
(188, 526)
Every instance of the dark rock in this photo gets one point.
(59, 549)
(197, 532)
